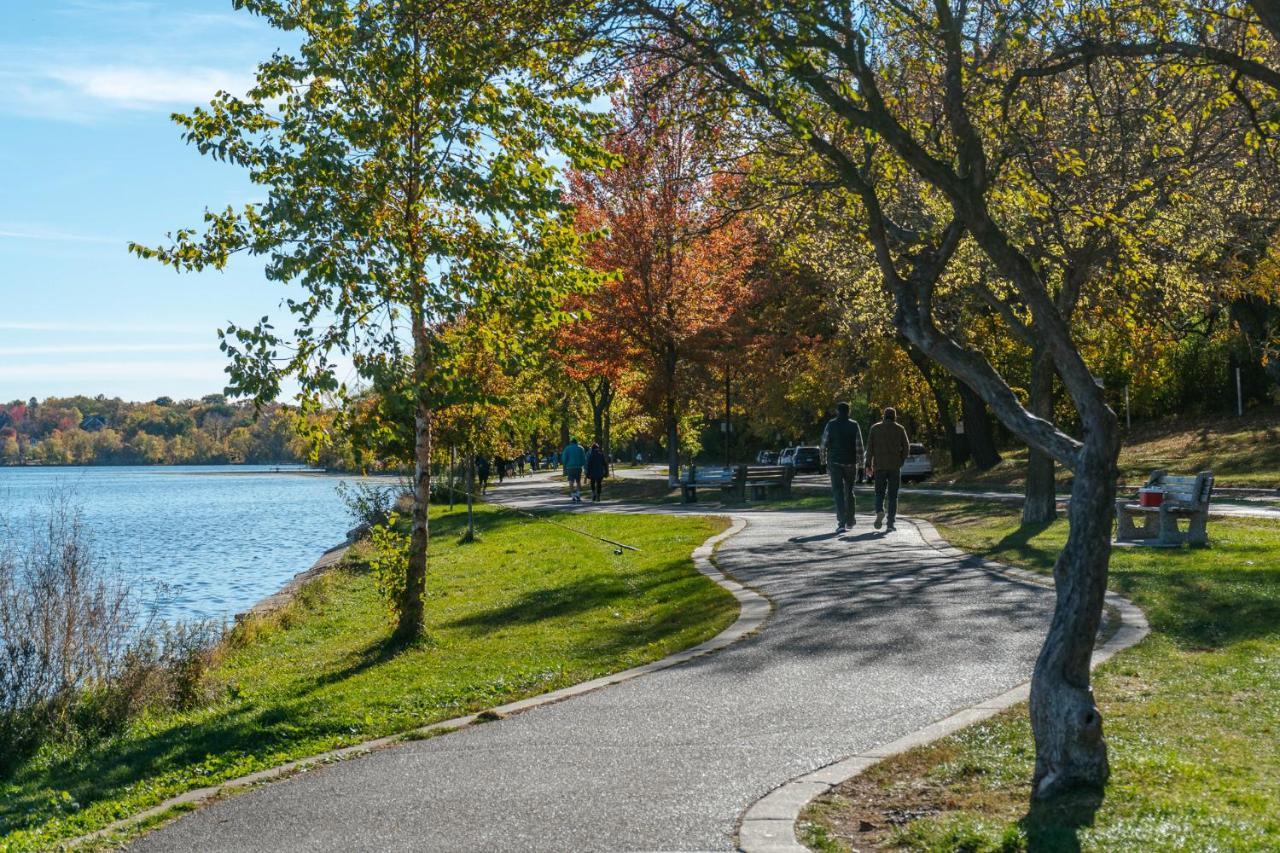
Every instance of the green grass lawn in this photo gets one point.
(1192, 716)
(527, 609)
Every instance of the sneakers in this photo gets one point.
(879, 520)
(839, 529)
(890, 526)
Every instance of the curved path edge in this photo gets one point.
(753, 611)
(769, 824)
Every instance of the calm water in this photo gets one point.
(200, 542)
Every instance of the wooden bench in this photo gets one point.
(1184, 497)
(695, 477)
(765, 481)
(762, 481)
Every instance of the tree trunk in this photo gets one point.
(415, 582)
(1040, 505)
(608, 429)
(453, 464)
(1065, 720)
(471, 490)
(672, 422)
(673, 441)
(564, 422)
(978, 430)
(1259, 321)
(537, 451)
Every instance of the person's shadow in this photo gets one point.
(817, 537)
(864, 537)
(1054, 826)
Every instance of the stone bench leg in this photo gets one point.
(1197, 529)
(1169, 532)
(1127, 531)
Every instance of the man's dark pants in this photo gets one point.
(888, 481)
(842, 479)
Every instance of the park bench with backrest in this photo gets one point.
(1185, 497)
(763, 481)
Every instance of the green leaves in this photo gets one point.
(403, 152)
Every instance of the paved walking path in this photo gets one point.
(873, 636)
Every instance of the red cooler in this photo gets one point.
(1150, 497)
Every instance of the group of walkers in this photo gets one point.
(887, 448)
(578, 461)
(575, 460)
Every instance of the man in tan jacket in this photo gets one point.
(887, 448)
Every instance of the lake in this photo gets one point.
(201, 542)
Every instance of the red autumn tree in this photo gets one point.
(681, 265)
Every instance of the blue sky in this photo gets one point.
(89, 160)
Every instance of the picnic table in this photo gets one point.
(1183, 497)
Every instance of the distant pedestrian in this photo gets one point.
(500, 465)
(842, 450)
(482, 473)
(574, 458)
(887, 449)
(520, 464)
(597, 470)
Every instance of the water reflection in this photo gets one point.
(201, 542)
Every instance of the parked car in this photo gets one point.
(918, 465)
(767, 457)
(786, 456)
(807, 460)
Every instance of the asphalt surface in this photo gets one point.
(873, 636)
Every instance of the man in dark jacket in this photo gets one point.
(887, 448)
(842, 449)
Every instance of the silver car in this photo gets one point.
(918, 465)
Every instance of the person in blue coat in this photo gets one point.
(597, 470)
(575, 459)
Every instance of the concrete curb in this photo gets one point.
(754, 610)
(769, 824)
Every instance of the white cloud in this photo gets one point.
(145, 87)
(81, 349)
(45, 234)
(87, 371)
(91, 328)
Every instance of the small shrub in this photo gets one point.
(368, 503)
(77, 659)
(388, 560)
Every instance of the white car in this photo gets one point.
(918, 465)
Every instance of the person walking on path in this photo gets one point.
(842, 450)
(597, 470)
(574, 459)
(887, 448)
(482, 473)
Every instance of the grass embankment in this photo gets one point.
(1192, 716)
(527, 609)
(1241, 452)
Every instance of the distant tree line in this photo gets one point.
(109, 431)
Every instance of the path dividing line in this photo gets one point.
(871, 638)
(770, 825)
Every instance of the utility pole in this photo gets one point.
(1239, 396)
